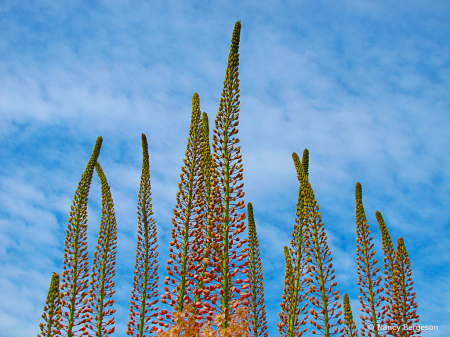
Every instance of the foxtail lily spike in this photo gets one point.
(349, 324)
(390, 287)
(201, 271)
(226, 174)
(103, 267)
(368, 281)
(293, 286)
(204, 294)
(188, 212)
(145, 278)
(283, 326)
(75, 264)
(52, 325)
(319, 267)
(407, 307)
(257, 307)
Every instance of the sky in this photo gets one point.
(364, 85)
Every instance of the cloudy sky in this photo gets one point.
(364, 85)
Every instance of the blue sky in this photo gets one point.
(364, 85)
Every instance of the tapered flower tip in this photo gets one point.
(144, 145)
(249, 207)
(205, 124)
(400, 243)
(237, 32)
(345, 299)
(251, 219)
(305, 161)
(379, 216)
(54, 281)
(297, 162)
(358, 189)
(97, 147)
(233, 59)
(98, 142)
(195, 97)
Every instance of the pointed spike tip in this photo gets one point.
(236, 37)
(205, 124)
(358, 191)
(98, 143)
(237, 25)
(305, 161)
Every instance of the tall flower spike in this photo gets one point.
(75, 264)
(103, 266)
(145, 278)
(407, 319)
(187, 219)
(226, 173)
(319, 267)
(350, 327)
(288, 310)
(305, 162)
(390, 287)
(53, 308)
(283, 326)
(258, 311)
(368, 282)
(205, 272)
(293, 288)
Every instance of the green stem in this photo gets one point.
(144, 290)
(185, 241)
(225, 303)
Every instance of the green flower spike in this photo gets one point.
(368, 281)
(407, 307)
(53, 309)
(75, 264)
(206, 274)
(350, 327)
(186, 222)
(145, 278)
(294, 283)
(226, 174)
(103, 266)
(258, 311)
(390, 309)
(319, 267)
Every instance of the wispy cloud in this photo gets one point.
(362, 84)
